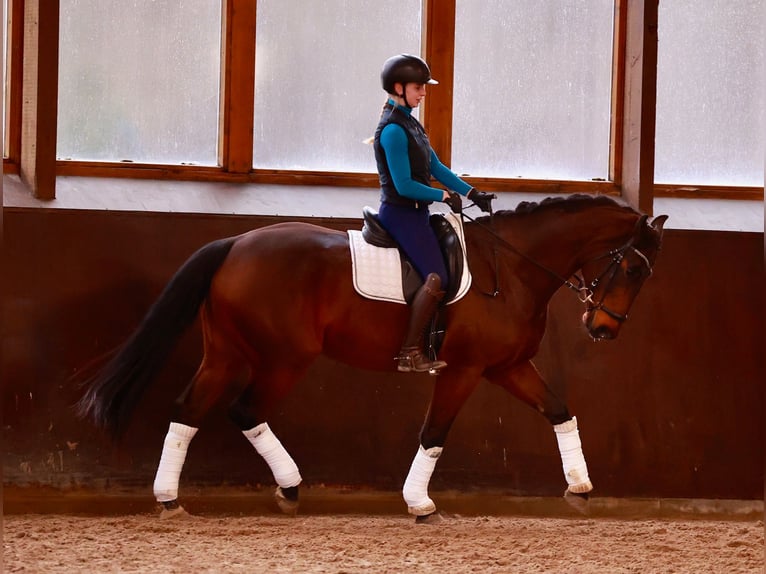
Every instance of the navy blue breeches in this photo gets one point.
(413, 232)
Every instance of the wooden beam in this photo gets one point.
(439, 52)
(40, 95)
(640, 97)
(617, 125)
(15, 67)
(238, 86)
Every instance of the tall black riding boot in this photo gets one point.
(411, 357)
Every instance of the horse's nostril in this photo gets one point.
(602, 333)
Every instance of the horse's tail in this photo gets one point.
(113, 392)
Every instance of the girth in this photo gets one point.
(449, 242)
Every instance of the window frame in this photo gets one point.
(14, 44)
(237, 102)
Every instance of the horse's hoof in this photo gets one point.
(579, 501)
(580, 488)
(423, 510)
(433, 518)
(177, 512)
(287, 506)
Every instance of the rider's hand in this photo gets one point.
(481, 199)
(454, 201)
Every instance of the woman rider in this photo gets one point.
(406, 164)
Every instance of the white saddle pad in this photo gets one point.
(377, 271)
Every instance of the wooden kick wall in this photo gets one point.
(672, 408)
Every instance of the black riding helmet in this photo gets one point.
(404, 69)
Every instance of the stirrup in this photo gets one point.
(413, 360)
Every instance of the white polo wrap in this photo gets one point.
(172, 461)
(572, 458)
(280, 462)
(415, 489)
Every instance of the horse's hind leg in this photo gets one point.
(203, 391)
(451, 390)
(250, 412)
(526, 384)
(169, 469)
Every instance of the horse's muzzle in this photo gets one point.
(600, 326)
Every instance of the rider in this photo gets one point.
(406, 164)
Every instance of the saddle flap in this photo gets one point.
(452, 251)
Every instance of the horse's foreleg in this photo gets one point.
(525, 383)
(450, 393)
(572, 458)
(415, 490)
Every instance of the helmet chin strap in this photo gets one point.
(403, 95)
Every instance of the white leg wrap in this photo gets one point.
(572, 459)
(415, 489)
(280, 462)
(172, 461)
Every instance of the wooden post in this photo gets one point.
(40, 97)
(640, 96)
(439, 52)
(237, 98)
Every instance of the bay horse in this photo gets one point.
(273, 299)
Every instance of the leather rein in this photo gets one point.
(583, 290)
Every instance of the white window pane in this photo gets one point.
(532, 88)
(710, 93)
(317, 79)
(139, 80)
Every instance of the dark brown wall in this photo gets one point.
(673, 408)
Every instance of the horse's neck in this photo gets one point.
(555, 247)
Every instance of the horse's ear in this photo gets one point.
(638, 230)
(658, 222)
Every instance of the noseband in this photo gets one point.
(585, 292)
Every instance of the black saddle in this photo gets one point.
(452, 251)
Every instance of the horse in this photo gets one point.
(273, 299)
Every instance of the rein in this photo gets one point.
(584, 292)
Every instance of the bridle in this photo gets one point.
(583, 290)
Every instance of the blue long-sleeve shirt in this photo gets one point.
(393, 139)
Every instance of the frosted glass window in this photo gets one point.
(317, 79)
(139, 80)
(710, 128)
(532, 88)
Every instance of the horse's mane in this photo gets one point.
(571, 204)
(566, 203)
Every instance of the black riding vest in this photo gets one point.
(419, 151)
